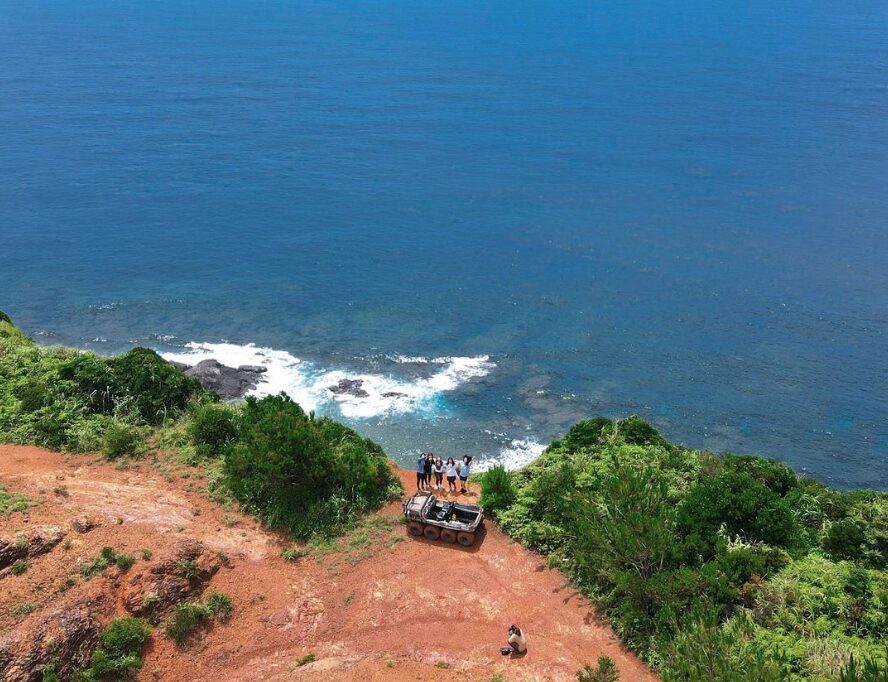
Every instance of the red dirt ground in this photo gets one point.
(381, 607)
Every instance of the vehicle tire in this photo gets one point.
(431, 532)
(414, 528)
(448, 535)
(465, 539)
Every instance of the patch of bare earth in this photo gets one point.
(375, 605)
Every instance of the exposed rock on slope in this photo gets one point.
(28, 544)
(61, 640)
(180, 574)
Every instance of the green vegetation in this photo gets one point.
(710, 567)
(65, 399)
(298, 473)
(118, 655)
(212, 428)
(303, 474)
(497, 490)
(10, 503)
(20, 566)
(189, 618)
(107, 557)
(606, 671)
(305, 660)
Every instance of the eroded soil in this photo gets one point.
(375, 605)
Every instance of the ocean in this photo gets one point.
(502, 217)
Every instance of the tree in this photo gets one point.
(154, 385)
(738, 504)
(497, 490)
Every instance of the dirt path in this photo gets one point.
(375, 606)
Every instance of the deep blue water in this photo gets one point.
(674, 208)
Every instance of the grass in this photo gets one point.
(23, 609)
(189, 618)
(10, 502)
(362, 541)
(107, 557)
(305, 660)
(20, 567)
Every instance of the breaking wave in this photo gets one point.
(376, 394)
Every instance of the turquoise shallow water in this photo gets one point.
(671, 208)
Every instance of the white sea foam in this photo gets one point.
(514, 455)
(309, 384)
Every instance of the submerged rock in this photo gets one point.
(229, 382)
(349, 387)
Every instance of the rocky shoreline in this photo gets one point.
(230, 383)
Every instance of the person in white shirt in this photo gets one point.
(517, 640)
(450, 472)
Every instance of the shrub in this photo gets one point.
(305, 660)
(588, 433)
(117, 656)
(90, 379)
(186, 620)
(122, 439)
(844, 540)
(212, 427)
(156, 388)
(4, 317)
(776, 476)
(302, 474)
(220, 606)
(11, 503)
(20, 566)
(606, 671)
(107, 557)
(636, 431)
(737, 503)
(497, 490)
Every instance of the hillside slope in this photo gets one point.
(372, 606)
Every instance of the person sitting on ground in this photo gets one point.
(517, 640)
(464, 472)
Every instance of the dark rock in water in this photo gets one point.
(229, 382)
(252, 369)
(394, 394)
(181, 366)
(349, 387)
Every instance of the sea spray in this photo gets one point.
(381, 394)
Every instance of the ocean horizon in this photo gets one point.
(499, 217)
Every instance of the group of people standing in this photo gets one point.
(429, 468)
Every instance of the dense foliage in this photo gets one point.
(711, 567)
(497, 490)
(300, 473)
(118, 655)
(65, 399)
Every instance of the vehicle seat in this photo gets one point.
(441, 512)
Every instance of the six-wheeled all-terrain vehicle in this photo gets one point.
(444, 520)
